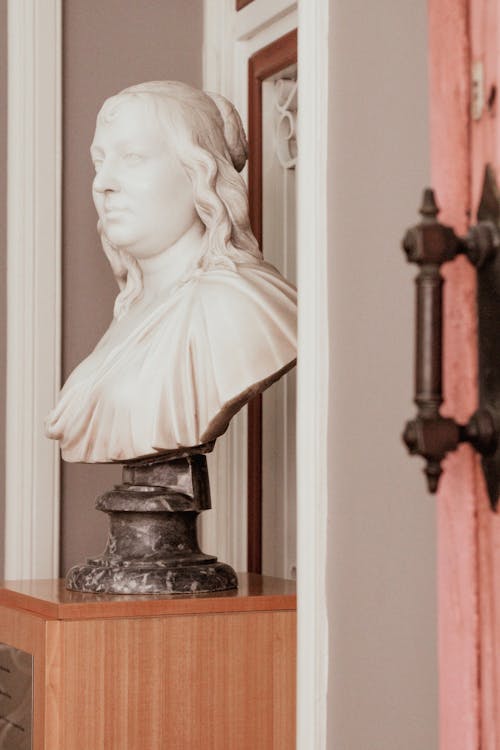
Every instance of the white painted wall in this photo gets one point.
(381, 527)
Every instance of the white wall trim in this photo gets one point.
(259, 15)
(33, 286)
(229, 39)
(224, 529)
(313, 375)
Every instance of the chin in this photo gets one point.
(121, 238)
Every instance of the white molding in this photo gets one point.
(224, 528)
(285, 127)
(279, 238)
(229, 39)
(33, 286)
(218, 34)
(313, 364)
(260, 15)
(252, 40)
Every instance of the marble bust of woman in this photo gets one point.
(201, 322)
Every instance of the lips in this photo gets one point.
(112, 212)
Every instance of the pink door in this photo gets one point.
(465, 136)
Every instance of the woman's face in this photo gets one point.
(142, 194)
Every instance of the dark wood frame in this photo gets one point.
(266, 62)
(241, 3)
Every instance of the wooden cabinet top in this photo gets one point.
(51, 600)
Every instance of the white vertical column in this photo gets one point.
(224, 528)
(312, 374)
(33, 286)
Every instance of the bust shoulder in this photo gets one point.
(249, 290)
(244, 326)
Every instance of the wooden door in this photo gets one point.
(465, 136)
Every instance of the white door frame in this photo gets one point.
(229, 38)
(33, 287)
(313, 373)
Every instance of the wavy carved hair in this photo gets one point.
(209, 140)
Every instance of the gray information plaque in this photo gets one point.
(16, 698)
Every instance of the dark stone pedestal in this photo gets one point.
(152, 546)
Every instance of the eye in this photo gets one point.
(97, 164)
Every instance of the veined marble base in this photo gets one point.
(148, 579)
(152, 545)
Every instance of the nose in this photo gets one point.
(106, 179)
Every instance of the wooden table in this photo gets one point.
(215, 671)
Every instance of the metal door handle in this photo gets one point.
(430, 244)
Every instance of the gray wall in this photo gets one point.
(381, 567)
(107, 46)
(3, 259)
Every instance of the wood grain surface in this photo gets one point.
(50, 599)
(484, 134)
(138, 673)
(459, 618)
(196, 681)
